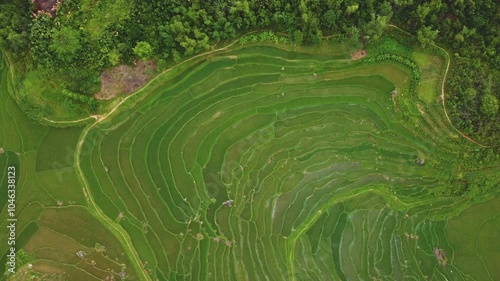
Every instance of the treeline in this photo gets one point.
(85, 37)
(173, 29)
(180, 28)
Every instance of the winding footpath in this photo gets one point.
(443, 99)
(443, 96)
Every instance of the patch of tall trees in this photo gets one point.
(171, 30)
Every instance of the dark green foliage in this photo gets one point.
(469, 81)
(14, 26)
(91, 102)
(470, 31)
(65, 43)
(40, 40)
(489, 105)
(264, 37)
(93, 35)
(85, 81)
(426, 35)
(297, 37)
(143, 50)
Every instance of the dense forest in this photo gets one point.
(71, 41)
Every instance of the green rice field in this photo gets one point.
(256, 162)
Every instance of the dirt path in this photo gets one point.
(443, 96)
(443, 100)
(102, 117)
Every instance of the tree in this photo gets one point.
(374, 29)
(426, 35)
(114, 57)
(143, 50)
(316, 36)
(297, 37)
(166, 35)
(40, 40)
(423, 11)
(14, 26)
(489, 105)
(17, 42)
(176, 56)
(470, 94)
(330, 19)
(459, 38)
(65, 43)
(353, 37)
(403, 2)
(385, 9)
(352, 9)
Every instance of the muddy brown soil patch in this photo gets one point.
(46, 6)
(125, 79)
(358, 55)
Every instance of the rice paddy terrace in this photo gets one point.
(261, 163)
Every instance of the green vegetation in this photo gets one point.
(53, 220)
(290, 161)
(276, 156)
(143, 50)
(65, 43)
(489, 105)
(268, 37)
(480, 224)
(470, 31)
(80, 38)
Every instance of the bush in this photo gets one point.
(415, 70)
(91, 102)
(143, 50)
(264, 37)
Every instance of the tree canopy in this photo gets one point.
(65, 43)
(143, 50)
(489, 105)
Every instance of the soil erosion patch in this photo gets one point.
(46, 6)
(358, 55)
(125, 79)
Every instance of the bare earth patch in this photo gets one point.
(46, 7)
(441, 256)
(125, 79)
(358, 55)
(216, 115)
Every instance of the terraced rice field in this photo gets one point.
(266, 164)
(260, 163)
